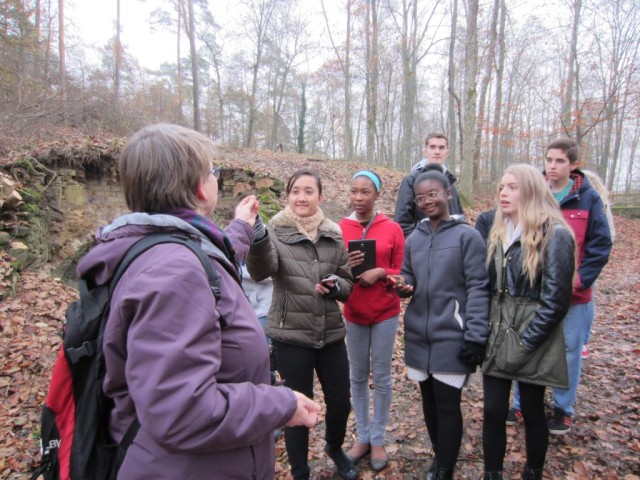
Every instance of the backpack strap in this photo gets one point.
(158, 238)
(89, 348)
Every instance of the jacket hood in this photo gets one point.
(379, 218)
(115, 239)
(327, 227)
(454, 219)
(580, 182)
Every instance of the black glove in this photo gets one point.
(471, 353)
(259, 229)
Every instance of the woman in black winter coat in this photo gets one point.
(531, 266)
(446, 322)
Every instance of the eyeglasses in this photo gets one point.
(215, 171)
(420, 199)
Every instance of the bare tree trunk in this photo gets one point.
(409, 65)
(261, 11)
(345, 64)
(454, 104)
(628, 184)
(190, 28)
(469, 169)
(118, 65)
(371, 87)
(497, 115)
(348, 128)
(179, 79)
(62, 67)
(486, 79)
(613, 164)
(571, 80)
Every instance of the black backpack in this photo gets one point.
(75, 442)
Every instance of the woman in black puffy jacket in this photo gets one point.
(530, 257)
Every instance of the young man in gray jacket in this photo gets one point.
(435, 151)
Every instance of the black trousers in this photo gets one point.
(494, 430)
(296, 366)
(442, 414)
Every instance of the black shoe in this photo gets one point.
(497, 475)
(531, 473)
(560, 423)
(431, 473)
(345, 467)
(444, 474)
(513, 416)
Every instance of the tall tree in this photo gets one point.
(190, 29)
(454, 108)
(571, 127)
(469, 170)
(257, 22)
(489, 64)
(62, 53)
(372, 72)
(118, 63)
(345, 65)
(496, 162)
(302, 118)
(413, 26)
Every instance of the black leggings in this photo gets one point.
(496, 408)
(442, 414)
(296, 366)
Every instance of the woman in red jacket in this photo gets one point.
(371, 313)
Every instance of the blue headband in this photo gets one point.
(371, 176)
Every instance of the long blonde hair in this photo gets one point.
(538, 212)
(598, 185)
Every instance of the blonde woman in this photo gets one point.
(530, 258)
(598, 186)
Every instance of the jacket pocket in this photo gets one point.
(512, 354)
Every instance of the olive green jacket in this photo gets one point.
(526, 339)
(298, 314)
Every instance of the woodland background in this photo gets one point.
(353, 79)
(500, 78)
(604, 442)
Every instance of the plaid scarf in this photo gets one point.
(209, 229)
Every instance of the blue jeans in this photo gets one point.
(589, 325)
(370, 349)
(574, 325)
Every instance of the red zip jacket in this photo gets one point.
(370, 305)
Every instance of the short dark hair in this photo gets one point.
(435, 135)
(569, 146)
(161, 166)
(435, 176)
(301, 173)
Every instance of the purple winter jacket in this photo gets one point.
(201, 394)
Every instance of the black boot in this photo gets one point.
(531, 473)
(431, 473)
(346, 468)
(443, 474)
(497, 475)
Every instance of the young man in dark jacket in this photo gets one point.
(436, 150)
(584, 211)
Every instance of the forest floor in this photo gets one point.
(604, 442)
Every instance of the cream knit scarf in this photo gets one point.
(308, 226)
